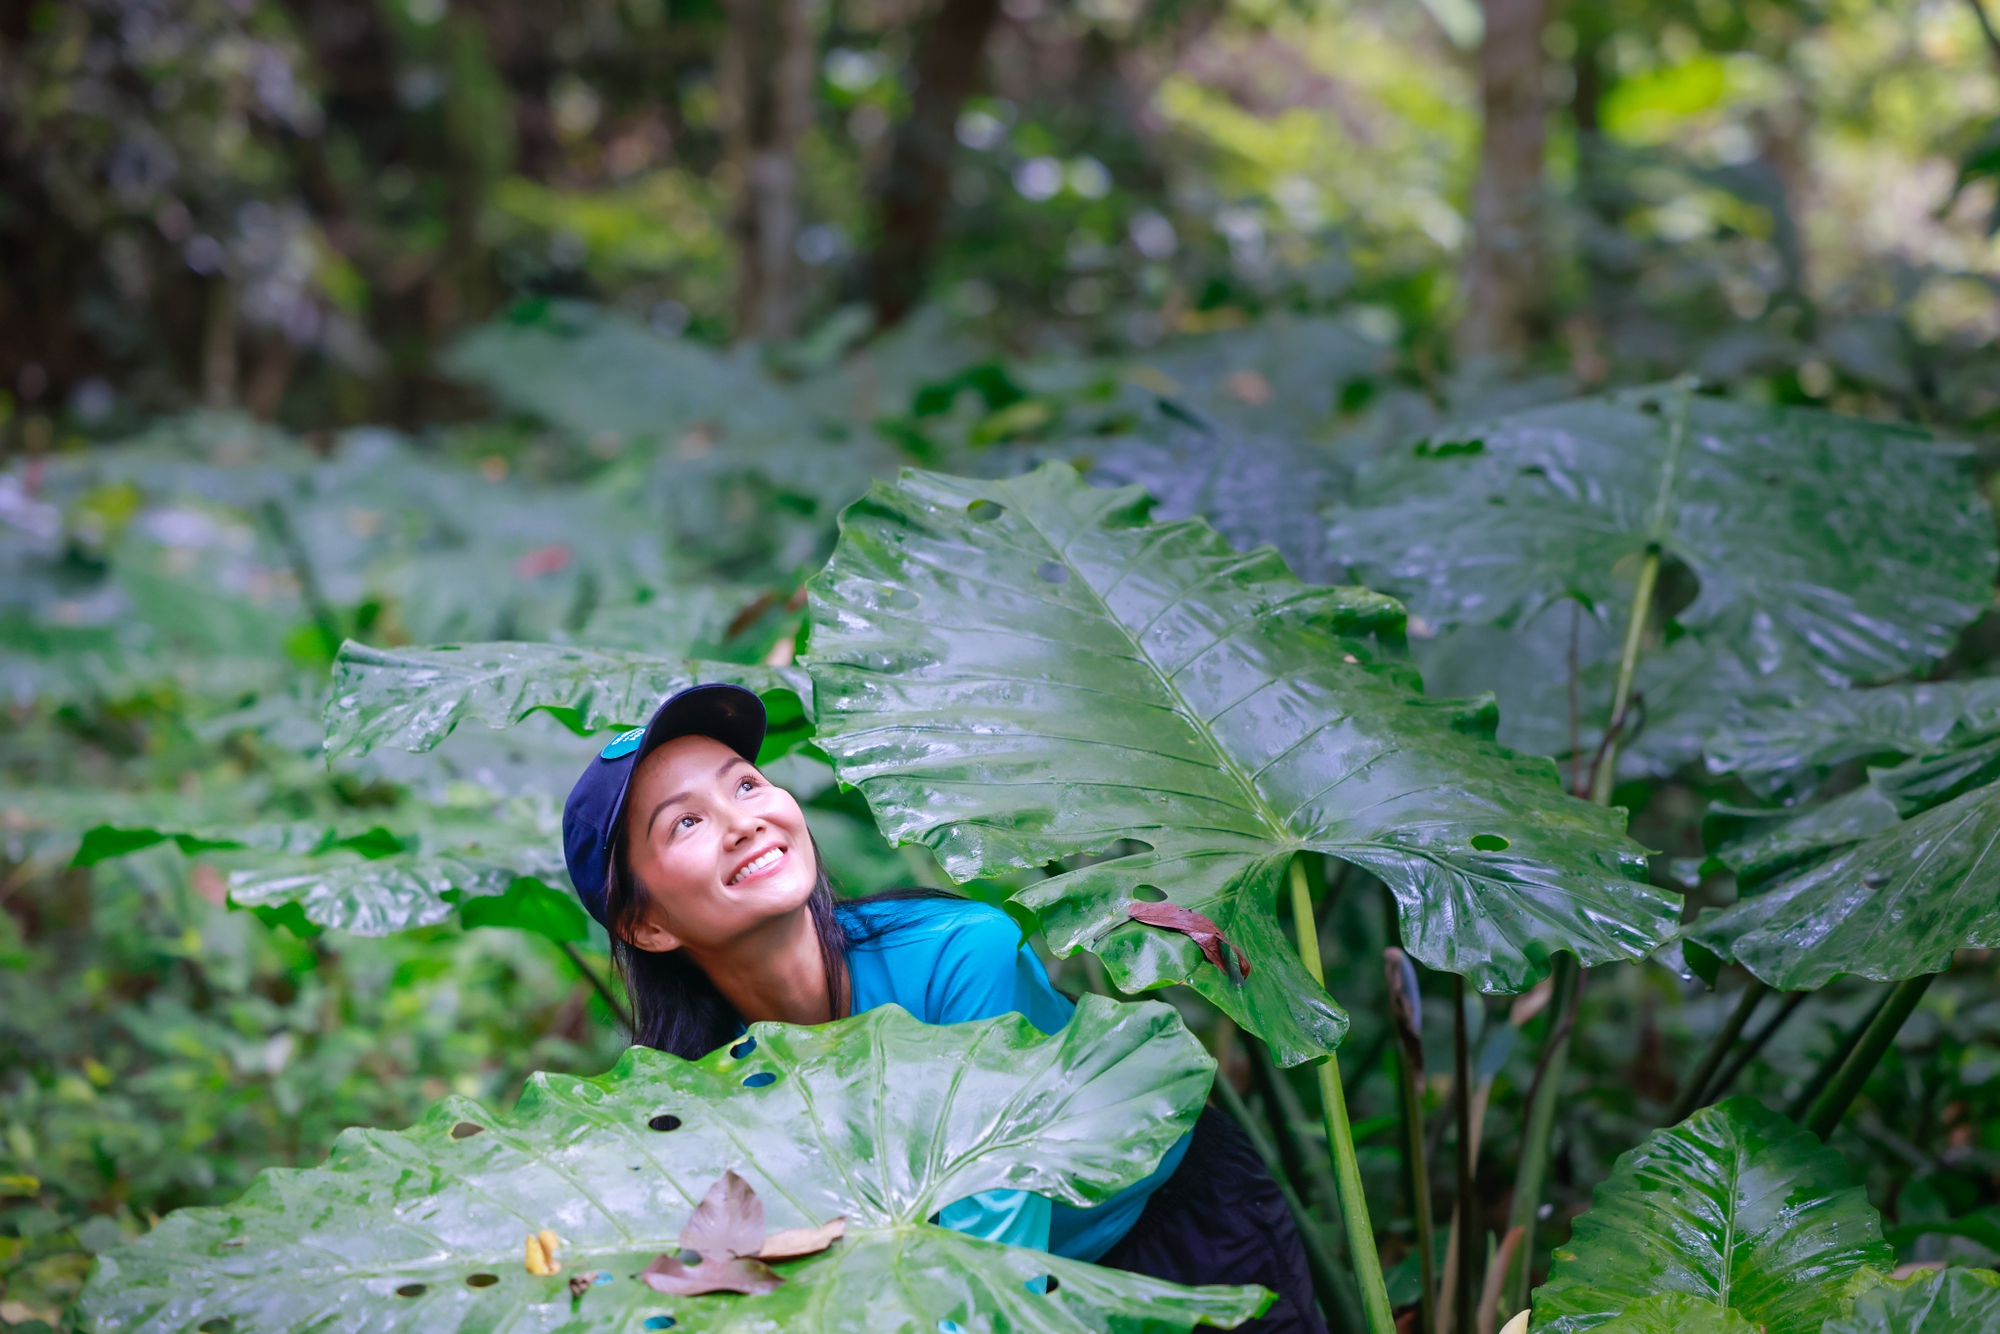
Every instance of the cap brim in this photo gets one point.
(729, 714)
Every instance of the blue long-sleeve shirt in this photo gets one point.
(948, 961)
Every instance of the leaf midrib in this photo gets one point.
(1281, 832)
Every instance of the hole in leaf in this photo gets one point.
(221, 1324)
(1490, 843)
(481, 1280)
(664, 1121)
(688, 1258)
(903, 599)
(236, 1241)
(950, 1327)
(1053, 1284)
(1650, 406)
(1053, 573)
(659, 1322)
(760, 1080)
(1874, 879)
(743, 1048)
(465, 1130)
(413, 1290)
(985, 511)
(1150, 894)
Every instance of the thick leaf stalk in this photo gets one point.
(1331, 1284)
(1541, 1121)
(1340, 1135)
(1697, 1082)
(1831, 1105)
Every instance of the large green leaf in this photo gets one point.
(1893, 906)
(1015, 672)
(879, 1118)
(1678, 1313)
(1940, 1301)
(380, 896)
(1793, 745)
(413, 698)
(1736, 1207)
(1822, 550)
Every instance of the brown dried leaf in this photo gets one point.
(792, 1242)
(728, 1222)
(1215, 947)
(735, 1274)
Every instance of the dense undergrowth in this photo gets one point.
(241, 914)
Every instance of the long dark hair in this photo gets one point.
(675, 1006)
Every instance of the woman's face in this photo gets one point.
(717, 849)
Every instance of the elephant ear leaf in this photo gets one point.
(1736, 1208)
(1677, 1313)
(1022, 671)
(879, 1119)
(1891, 906)
(1939, 1301)
(1793, 745)
(413, 698)
(1817, 551)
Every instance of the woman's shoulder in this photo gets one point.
(966, 920)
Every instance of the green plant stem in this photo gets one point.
(1468, 1212)
(1604, 775)
(1828, 1068)
(1337, 1299)
(1340, 1136)
(602, 987)
(1604, 772)
(1831, 1105)
(1287, 1114)
(1751, 1047)
(1541, 1117)
(1691, 1091)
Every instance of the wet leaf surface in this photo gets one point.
(1941, 1301)
(1735, 1207)
(879, 1118)
(411, 699)
(1818, 550)
(1204, 704)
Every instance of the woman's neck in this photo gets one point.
(776, 973)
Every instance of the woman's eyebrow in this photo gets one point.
(727, 765)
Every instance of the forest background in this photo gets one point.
(414, 321)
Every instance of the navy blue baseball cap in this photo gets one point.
(730, 714)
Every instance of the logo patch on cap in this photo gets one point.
(623, 744)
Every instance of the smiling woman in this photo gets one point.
(720, 913)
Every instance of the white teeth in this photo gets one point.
(763, 860)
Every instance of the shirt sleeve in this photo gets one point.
(984, 970)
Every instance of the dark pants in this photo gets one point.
(1220, 1219)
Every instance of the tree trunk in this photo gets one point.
(918, 185)
(767, 89)
(1507, 280)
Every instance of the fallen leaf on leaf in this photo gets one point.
(733, 1274)
(728, 1222)
(792, 1242)
(1198, 928)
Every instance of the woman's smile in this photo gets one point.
(761, 864)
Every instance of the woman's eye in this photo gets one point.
(745, 786)
(685, 822)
